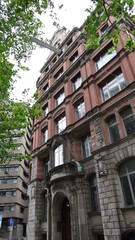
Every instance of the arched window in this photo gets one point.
(128, 120)
(94, 193)
(127, 179)
(113, 128)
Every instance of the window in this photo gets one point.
(46, 88)
(69, 42)
(113, 85)
(58, 155)
(127, 179)
(80, 110)
(58, 74)
(61, 124)
(59, 98)
(45, 109)
(54, 60)
(44, 135)
(7, 193)
(45, 207)
(8, 180)
(94, 193)
(9, 169)
(129, 120)
(77, 81)
(7, 208)
(74, 57)
(87, 146)
(21, 210)
(104, 58)
(104, 29)
(113, 129)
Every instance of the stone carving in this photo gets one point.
(101, 166)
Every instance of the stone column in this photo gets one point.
(83, 225)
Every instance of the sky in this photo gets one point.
(72, 14)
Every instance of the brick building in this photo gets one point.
(83, 170)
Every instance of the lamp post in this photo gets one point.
(45, 45)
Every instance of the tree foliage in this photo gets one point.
(104, 11)
(19, 20)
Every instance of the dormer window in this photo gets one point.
(58, 74)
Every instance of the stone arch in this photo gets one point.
(57, 202)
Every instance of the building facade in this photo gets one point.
(82, 184)
(14, 178)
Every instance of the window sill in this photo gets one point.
(94, 213)
(127, 208)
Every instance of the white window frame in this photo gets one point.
(80, 110)
(61, 124)
(59, 74)
(74, 57)
(127, 175)
(45, 135)
(104, 58)
(87, 146)
(59, 98)
(108, 85)
(77, 82)
(45, 109)
(58, 155)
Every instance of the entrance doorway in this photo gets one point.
(66, 223)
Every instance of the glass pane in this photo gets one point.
(94, 199)
(114, 133)
(122, 169)
(126, 191)
(131, 165)
(126, 112)
(132, 178)
(130, 125)
(113, 87)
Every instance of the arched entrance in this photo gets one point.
(61, 222)
(66, 223)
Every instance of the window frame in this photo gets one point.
(59, 98)
(76, 82)
(127, 175)
(44, 135)
(79, 113)
(60, 120)
(87, 142)
(110, 127)
(59, 74)
(95, 204)
(60, 151)
(74, 58)
(116, 78)
(103, 58)
(45, 109)
(131, 115)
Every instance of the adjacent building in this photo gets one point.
(82, 184)
(14, 178)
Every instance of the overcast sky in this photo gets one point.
(72, 14)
